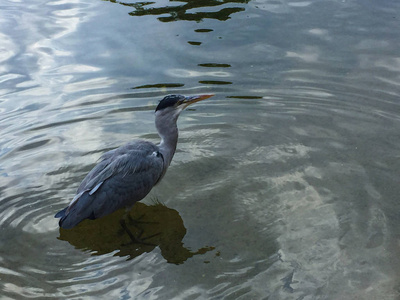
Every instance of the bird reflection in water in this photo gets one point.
(156, 226)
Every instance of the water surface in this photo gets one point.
(285, 185)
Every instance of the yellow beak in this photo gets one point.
(193, 99)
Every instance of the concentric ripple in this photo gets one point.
(284, 185)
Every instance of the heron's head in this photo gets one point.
(174, 104)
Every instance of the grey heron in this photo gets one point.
(126, 174)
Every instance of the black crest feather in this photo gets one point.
(169, 101)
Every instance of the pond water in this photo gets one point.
(285, 184)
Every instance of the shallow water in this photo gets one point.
(285, 185)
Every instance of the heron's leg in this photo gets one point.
(134, 239)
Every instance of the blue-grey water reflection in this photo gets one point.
(285, 185)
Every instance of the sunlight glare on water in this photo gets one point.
(284, 185)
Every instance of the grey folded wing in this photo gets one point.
(122, 177)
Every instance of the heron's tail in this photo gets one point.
(76, 212)
(67, 221)
(63, 216)
(61, 213)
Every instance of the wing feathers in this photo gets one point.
(122, 177)
(95, 188)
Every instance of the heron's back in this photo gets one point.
(123, 176)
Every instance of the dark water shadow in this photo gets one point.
(180, 12)
(157, 226)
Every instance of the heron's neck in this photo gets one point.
(168, 132)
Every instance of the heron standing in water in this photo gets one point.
(127, 174)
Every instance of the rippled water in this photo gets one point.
(285, 184)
